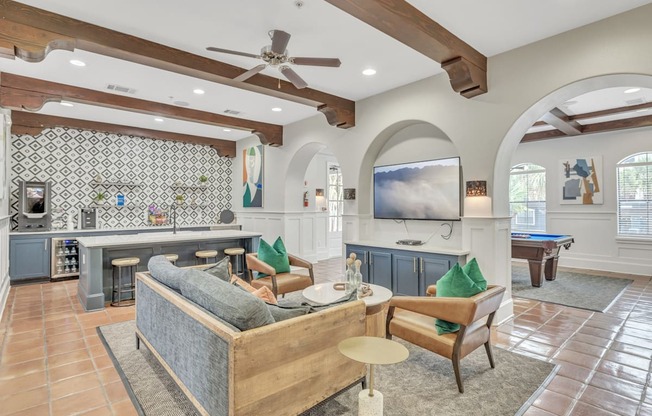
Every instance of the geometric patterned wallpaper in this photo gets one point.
(71, 159)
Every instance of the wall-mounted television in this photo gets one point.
(428, 190)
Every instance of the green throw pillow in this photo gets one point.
(275, 255)
(473, 271)
(454, 284)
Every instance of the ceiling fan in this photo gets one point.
(276, 55)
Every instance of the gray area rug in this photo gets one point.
(422, 385)
(578, 290)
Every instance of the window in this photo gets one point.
(635, 194)
(335, 198)
(527, 197)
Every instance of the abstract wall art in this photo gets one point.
(581, 180)
(252, 177)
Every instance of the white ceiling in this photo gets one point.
(318, 29)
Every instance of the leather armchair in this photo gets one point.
(412, 318)
(280, 283)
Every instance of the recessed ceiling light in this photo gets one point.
(227, 130)
(632, 90)
(369, 72)
(66, 104)
(277, 109)
(158, 119)
(77, 62)
(198, 91)
(642, 110)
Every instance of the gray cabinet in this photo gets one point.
(380, 268)
(402, 271)
(29, 259)
(405, 268)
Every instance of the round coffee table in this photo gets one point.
(325, 293)
(372, 351)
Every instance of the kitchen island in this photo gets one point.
(96, 254)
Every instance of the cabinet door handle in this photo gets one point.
(366, 257)
(45, 245)
(414, 264)
(371, 259)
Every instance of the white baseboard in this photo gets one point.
(504, 313)
(608, 265)
(4, 294)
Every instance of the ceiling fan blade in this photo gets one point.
(293, 77)
(280, 41)
(333, 62)
(253, 71)
(249, 55)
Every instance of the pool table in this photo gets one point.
(542, 253)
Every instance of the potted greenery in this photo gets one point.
(179, 198)
(203, 179)
(100, 197)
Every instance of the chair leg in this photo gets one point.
(458, 377)
(490, 354)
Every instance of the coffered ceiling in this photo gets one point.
(319, 28)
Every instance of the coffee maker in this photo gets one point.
(88, 218)
(34, 206)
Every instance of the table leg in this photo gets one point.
(536, 272)
(371, 380)
(551, 268)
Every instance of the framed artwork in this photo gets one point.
(252, 176)
(581, 180)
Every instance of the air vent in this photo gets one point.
(635, 101)
(120, 88)
(232, 112)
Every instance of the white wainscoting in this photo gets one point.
(305, 234)
(4, 262)
(597, 245)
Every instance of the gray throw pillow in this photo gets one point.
(283, 312)
(165, 272)
(237, 307)
(220, 269)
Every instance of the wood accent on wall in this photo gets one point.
(32, 123)
(31, 33)
(466, 67)
(23, 93)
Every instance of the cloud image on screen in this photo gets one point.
(421, 190)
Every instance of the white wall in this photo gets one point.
(594, 227)
(5, 225)
(523, 83)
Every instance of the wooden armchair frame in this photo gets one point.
(408, 318)
(280, 283)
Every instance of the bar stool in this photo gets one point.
(206, 254)
(235, 252)
(172, 258)
(120, 287)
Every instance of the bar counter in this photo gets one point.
(96, 254)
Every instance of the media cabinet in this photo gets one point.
(405, 270)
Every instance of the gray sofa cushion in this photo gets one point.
(282, 312)
(165, 272)
(237, 307)
(220, 269)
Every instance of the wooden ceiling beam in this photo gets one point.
(31, 33)
(33, 124)
(626, 123)
(466, 67)
(560, 121)
(23, 93)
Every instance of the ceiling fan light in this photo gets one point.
(369, 72)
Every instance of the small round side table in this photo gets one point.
(372, 351)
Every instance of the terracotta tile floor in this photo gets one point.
(52, 361)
